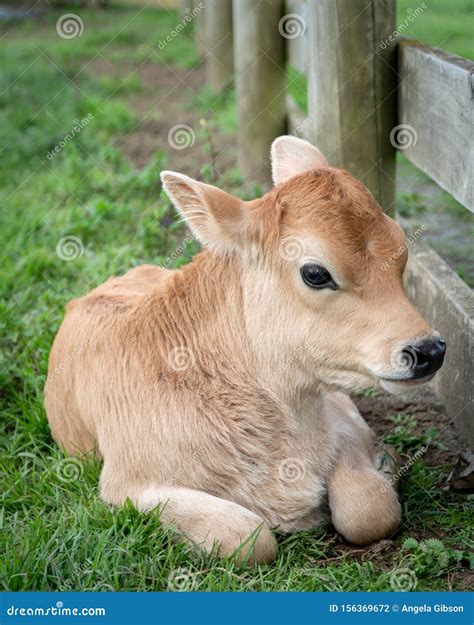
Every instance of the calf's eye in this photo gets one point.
(317, 277)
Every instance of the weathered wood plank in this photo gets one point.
(260, 81)
(352, 89)
(185, 7)
(219, 60)
(447, 303)
(298, 123)
(295, 24)
(199, 10)
(436, 98)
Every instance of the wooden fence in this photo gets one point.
(369, 93)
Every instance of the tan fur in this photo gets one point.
(252, 433)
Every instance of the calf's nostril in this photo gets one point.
(425, 358)
(441, 345)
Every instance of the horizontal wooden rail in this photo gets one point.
(447, 303)
(436, 98)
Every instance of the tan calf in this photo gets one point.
(212, 391)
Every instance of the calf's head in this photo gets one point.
(321, 270)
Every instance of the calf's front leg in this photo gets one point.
(363, 502)
(210, 523)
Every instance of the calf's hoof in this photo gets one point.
(247, 538)
(261, 546)
(364, 507)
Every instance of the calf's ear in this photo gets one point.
(292, 156)
(214, 216)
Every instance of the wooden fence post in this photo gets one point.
(185, 7)
(295, 25)
(199, 11)
(352, 89)
(219, 61)
(259, 59)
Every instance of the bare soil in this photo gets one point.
(428, 412)
(168, 99)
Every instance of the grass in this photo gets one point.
(443, 24)
(57, 534)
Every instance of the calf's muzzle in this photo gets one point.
(423, 358)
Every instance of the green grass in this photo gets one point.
(57, 534)
(445, 24)
(298, 87)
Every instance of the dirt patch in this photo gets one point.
(169, 118)
(428, 412)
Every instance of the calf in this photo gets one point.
(213, 391)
